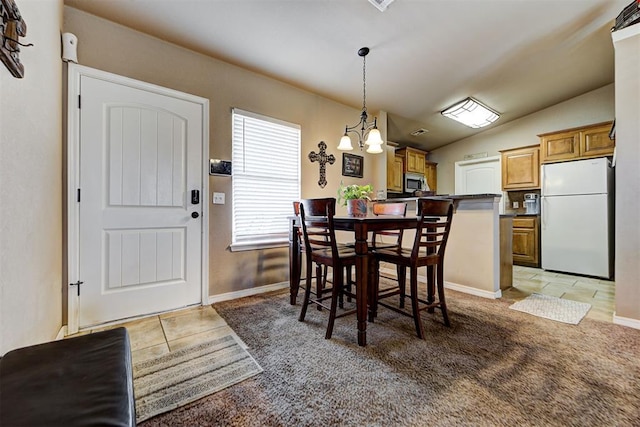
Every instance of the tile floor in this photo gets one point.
(599, 293)
(156, 335)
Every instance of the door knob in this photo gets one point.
(195, 215)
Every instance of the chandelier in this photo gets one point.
(367, 132)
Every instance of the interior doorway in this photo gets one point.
(480, 176)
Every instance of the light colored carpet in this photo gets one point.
(182, 376)
(553, 308)
(493, 367)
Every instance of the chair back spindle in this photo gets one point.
(433, 226)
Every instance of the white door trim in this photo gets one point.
(75, 72)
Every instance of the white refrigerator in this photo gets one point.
(577, 217)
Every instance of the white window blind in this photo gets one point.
(266, 178)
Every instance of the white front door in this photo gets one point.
(140, 227)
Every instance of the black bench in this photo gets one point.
(87, 380)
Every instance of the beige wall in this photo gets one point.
(593, 107)
(628, 173)
(31, 184)
(117, 49)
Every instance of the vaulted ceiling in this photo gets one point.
(516, 56)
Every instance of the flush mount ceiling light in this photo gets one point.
(365, 131)
(471, 113)
(381, 5)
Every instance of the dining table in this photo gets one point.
(360, 226)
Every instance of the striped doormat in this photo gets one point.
(182, 376)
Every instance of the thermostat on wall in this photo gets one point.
(219, 167)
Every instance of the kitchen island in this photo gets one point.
(478, 258)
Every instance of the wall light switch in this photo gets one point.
(516, 205)
(218, 198)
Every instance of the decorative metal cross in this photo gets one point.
(322, 159)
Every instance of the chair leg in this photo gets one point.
(348, 281)
(320, 282)
(335, 292)
(431, 278)
(307, 293)
(324, 275)
(441, 300)
(340, 296)
(414, 301)
(401, 272)
(374, 280)
(299, 266)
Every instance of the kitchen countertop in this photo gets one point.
(447, 196)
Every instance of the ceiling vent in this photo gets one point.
(419, 132)
(381, 5)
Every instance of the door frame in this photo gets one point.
(75, 72)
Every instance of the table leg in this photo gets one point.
(295, 266)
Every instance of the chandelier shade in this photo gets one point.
(366, 132)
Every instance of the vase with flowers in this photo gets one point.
(355, 197)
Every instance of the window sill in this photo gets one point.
(258, 245)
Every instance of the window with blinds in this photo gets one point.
(266, 179)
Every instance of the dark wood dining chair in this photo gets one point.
(394, 240)
(322, 249)
(388, 208)
(434, 223)
(394, 237)
(320, 284)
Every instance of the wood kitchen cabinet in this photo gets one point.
(521, 168)
(506, 251)
(394, 175)
(413, 159)
(526, 241)
(577, 143)
(431, 174)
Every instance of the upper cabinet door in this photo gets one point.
(578, 143)
(560, 146)
(595, 141)
(521, 168)
(413, 159)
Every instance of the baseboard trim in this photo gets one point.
(248, 292)
(454, 286)
(473, 291)
(626, 321)
(61, 333)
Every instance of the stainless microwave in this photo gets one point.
(414, 182)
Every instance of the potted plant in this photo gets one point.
(355, 198)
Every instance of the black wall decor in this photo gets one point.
(12, 27)
(352, 165)
(322, 158)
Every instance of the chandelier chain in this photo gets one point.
(364, 83)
